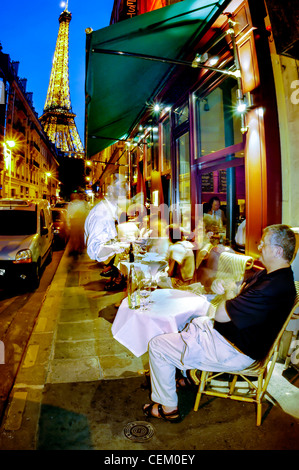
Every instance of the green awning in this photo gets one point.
(119, 87)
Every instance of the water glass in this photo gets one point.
(145, 292)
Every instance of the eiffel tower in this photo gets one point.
(58, 118)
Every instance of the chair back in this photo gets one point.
(233, 266)
(275, 345)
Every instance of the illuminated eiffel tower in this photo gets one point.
(58, 118)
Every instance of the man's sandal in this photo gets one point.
(186, 383)
(173, 416)
(112, 270)
(115, 285)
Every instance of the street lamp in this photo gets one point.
(7, 158)
(48, 175)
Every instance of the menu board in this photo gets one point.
(222, 181)
(207, 182)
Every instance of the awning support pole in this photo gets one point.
(167, 61)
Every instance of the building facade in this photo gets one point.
(28, 160)
(207, 133)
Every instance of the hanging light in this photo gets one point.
(213, 60)
(241, 105)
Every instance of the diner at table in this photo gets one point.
(242, 330)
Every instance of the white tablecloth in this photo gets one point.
(170, 311)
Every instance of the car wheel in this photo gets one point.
(50, 255)
(35, 276)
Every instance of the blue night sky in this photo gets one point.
(28, 34)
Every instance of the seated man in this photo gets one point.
(244, 327)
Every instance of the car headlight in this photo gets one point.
(23, 256)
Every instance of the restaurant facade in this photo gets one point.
(195, 99)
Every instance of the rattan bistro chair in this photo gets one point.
(262, 370)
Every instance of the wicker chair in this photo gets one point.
(262, 370)
(231, 267)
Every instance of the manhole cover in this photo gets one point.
(139, 431)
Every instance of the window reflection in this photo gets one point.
(181, 114)
(211, 120)
(184, 178)
(218, 124)
(166, 145)
(134, 161)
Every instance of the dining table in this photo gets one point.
(168, 311)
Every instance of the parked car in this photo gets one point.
(61, 205)
(61, 228)
(26, 239)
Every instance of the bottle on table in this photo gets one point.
(133, 289)
(131, 254)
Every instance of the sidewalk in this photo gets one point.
(78, 388)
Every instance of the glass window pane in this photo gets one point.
(166, 145)
(211, 123)
(149, 149)
(218, 125)
(236, 117)
(181, 114)
(134, 165)
(14, 222)
(214, 184)
(184, 179)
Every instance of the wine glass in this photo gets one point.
(153, 287)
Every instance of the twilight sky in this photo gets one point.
(28, 34)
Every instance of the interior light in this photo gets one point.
(11, 143)
(241, 107)
(157, 108)
(206, 106)
(213, 61)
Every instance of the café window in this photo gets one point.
(183, 153)
(166, 161)
(220, 155)
(134, 164)
(149, 158)
(181, 114)
(218, 123)
(152, 150)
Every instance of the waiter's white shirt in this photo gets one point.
(99, 229)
